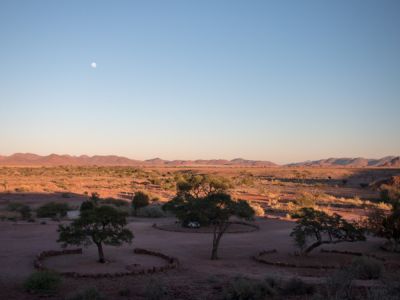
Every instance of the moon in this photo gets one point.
(93, 65)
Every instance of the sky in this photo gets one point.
(283, 80)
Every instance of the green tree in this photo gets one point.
(315, 228)
(215, 210)
(100, 225)
(201, 185)
(52, 210)
(140, 199)
(386, 225)
(87, 205)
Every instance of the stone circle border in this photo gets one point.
(172, 263)
(260, 259)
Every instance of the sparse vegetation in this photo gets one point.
(366, 268)
(320, 228)
(52, 210)
(24, 210)
(386, 225)
(296, 287)
(140, 199)
(156, 290)
(87, 294)
(100, 225)
(151, 211)
(43, 282)
(243, 288)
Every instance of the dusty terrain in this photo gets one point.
(349, 192)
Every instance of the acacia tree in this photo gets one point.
(201, 185)
(386, 225)
(218, 209)
(99, 225)
(140, 199)
(215, 210)
(315, 228)
(187, 205)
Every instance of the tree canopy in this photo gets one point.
(99, 225)
(386, 225)
(315, 228)
(214, 208)
(200, 185)
(140, 199)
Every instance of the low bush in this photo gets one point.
(151, 211)
(21, 189)
(389, 291)
(340, 285)
(258, 209)
(43, 282)
(140, 200)
(52, 210)
(86, 205)
(366, 268)
(125, 292)
(305, 200)
(242, 288)
(24, 210)
(296, 286)
(156, 290)
(88, 294)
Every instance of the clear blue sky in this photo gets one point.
(277, 80)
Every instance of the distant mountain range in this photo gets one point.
(28, 159)
(359, 162)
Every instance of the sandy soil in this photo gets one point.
(20, 241)
(20, 244)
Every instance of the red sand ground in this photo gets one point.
(20, 244)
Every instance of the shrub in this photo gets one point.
(88, 294)
(25, 212)
(386, 226)
(390, 193)
(340, 285)
(305, 200)
(296, 286)
(125, 292)
(242, 288)
(366, 268)
(156, 290)
(23, 209)
(52, 210)
(389, 291)
(86, 205)
(21, 190)
(258, 209)
(42, 282)
(152, 211)
(140, 200)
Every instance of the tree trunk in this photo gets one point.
(101, 253)
(218, 232)
(214, 252)
(313, 246)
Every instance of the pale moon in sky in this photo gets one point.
(93, 65)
